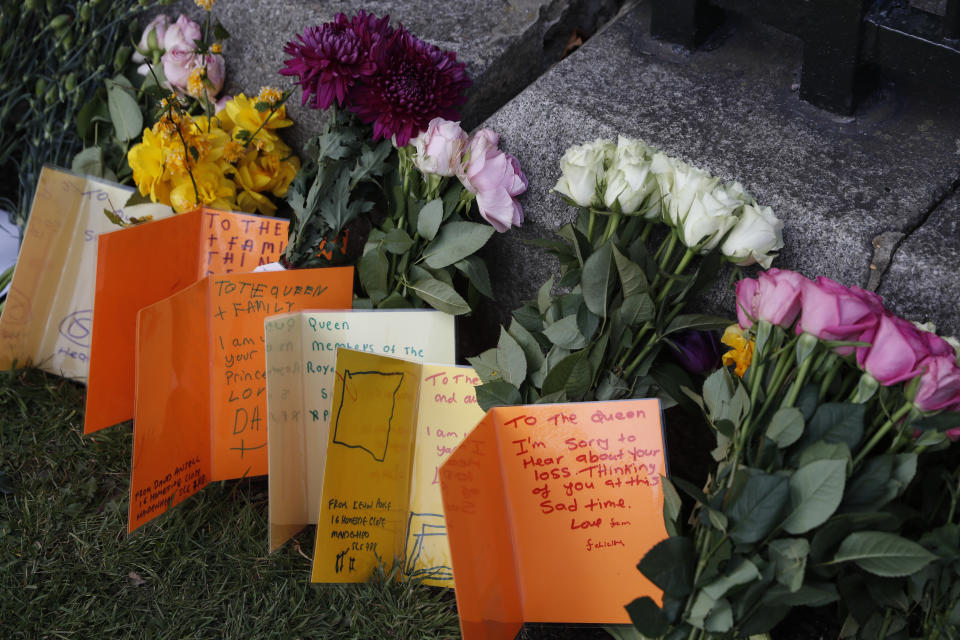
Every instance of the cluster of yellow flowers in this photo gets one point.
(229, 161)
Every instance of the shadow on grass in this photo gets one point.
(68, 569)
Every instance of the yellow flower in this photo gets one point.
(741, 353)
(216, 48)
(213, 188)
(260, 173)
(240, 114)
(195, 84)
(270, 95)
(205, 4)
(147, 162)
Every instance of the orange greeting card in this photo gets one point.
(144, 264)
(200, 412)
(47, 319)
(548, 510)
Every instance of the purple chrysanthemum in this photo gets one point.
(414, 83)
(330, 59)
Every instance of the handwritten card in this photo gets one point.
(301, 353)
(144, 264)
(549, 508)
(393, 423)
(48, 315)
(200, 411)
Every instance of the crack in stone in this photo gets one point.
(886, 245)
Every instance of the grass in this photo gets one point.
(68, 569)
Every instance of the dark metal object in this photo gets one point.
(839, 36)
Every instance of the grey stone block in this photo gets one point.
(505, 44)
(731, 108)
(923, 281)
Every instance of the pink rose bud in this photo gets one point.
(895, 352)
(181, 55)
(778, 296)
(939, 383)
(152, 38)
(440, 148)
(832, 311)
(746, 304)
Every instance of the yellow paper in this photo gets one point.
(301, 351)
(48, 315)
(393, 423)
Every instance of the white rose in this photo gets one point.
(754, 238)
(629, 179)
(708, 219)
(582, 172)
(439, 149)
(681, 185)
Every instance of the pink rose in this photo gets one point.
(746, 292)
(496, 178)
(440, 148)
(150, 41)
(831, 311)
(937, 345)
(778, 296)
(181, 57)
(939, 384)
(896, 350)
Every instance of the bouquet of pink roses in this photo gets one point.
(831, 422)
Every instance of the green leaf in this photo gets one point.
(544, 296)
(815, 493)
(636, 309)
(671, 500)
(88, 162)
(124, 112)
(511, 359)
(824, 451)
(744, 572)
(786, 426)
(647, 617)
(393, 301)
(808, 595)
(531, 348)
(883, 554)
(486, 365)
(498, 393)
(431, 215)
(456, 241)
(669, 564)
(869, 484)
(572, 374)
(789, 556)
(597, 276)
(631, 275)
(697, 322)
(565, 333)
(476, 271)
(219, 31)
(759, 507)
(397, 241)
(372, 269)
(720, 618)
(440, 296)
(96, 108)
(836, 422)
(828, 536)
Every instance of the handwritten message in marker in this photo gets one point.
(301, 360)
(582, 488)
(393, 423)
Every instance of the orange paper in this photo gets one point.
(144, 264)
(47, 318)
(549, 508)
(200, 411)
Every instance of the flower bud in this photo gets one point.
(71, 82)
(39, 87)
(121, 57)
(85, 11)
(59, 22)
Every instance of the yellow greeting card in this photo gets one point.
(301, 352)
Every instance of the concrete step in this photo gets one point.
(506, 44)
(841, 184)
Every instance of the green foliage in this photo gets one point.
(202, 570)
(55, 59)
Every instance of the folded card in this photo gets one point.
(301, 360)
(549, 508)
(48, 315)
(144, 264)
(200, 411)
(392, 424)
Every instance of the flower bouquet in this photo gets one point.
(390, 146)
(832, 420)
(651, 231)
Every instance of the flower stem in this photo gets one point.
(882, 431)
(612, 223)
(798, 383)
